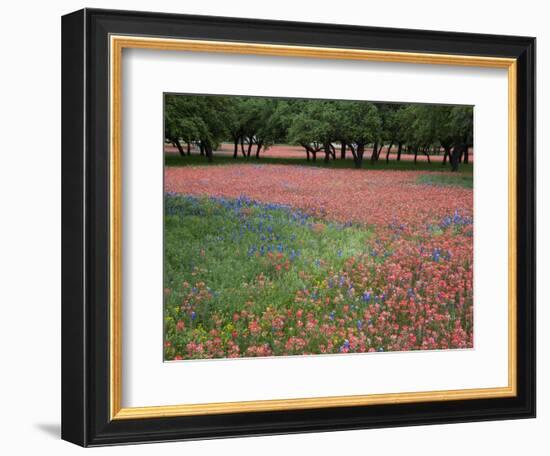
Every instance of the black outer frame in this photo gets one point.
(85, 227)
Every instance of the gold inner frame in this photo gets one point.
(117, 44)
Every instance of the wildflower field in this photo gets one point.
(265, 260)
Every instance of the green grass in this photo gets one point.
(404, 165)
(222, 257)
(232, 241)
(448, 180)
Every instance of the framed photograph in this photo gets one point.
(278, 227)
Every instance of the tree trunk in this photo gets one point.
(415, 154)
(307, 151)
(201, 147)
(455, 157)
(327, 150)
(374, 155)
(249, 150)
(343, 151)
(466, 155)
(242, 147)
(180, 148)
(258, 148)
(358, 157)
(188, 147)
(313, 152)
(447, 154)
(388, 152)
(236, 148)
(208, 151)
(353, 153)
(426, 152)
(399, 149)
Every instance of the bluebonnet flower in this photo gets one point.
(345, 346)
(456, 217)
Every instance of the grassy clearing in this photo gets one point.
(448, 180)
(404, 165)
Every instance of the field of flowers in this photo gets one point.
(264, 260)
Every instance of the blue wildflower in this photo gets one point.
(456, 217)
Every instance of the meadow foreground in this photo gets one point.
(264, 260)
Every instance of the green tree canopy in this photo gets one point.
(317, 125)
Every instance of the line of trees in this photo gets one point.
(253, 124)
